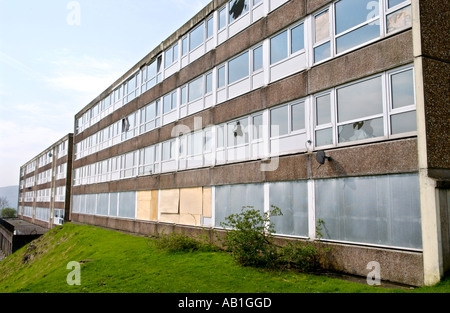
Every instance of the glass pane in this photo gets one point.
(238, 68)
(127, 204)
(278, 47)
(208, 86)
(222, 18)
(237, 8)
(292, 199)
(322, 26)
(403, 123)
(196, 37)
(323, 110)
(324, 137)
(167, 103)
(393, 3)
(350, 13)
(237, 132)
(220, 136)
(230, 199)
(322, 52)
(402, 89)
(221, 77)
(297, 38)
(167, 150)
(113, 204)
(360, 100)
(257, 126)
(184, 46)
(400, 19)
(257, 58)
(298, 116)
(195, 89)
(357, 37)
(279, 121)
(361, 130)
(387, 214)
(209, 27)
(168, 58)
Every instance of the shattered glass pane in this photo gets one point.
(237, 8)
(400, 19)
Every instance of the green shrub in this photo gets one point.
(178, 242)
(249, 237)
(300, 255)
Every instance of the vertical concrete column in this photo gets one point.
(431, 83)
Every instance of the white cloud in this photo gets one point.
(84, 74)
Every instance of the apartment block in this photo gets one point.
(45, 185)
(330, 110)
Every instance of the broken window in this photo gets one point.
(237, 8)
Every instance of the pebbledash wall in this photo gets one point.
(45, 185)
(233, 108)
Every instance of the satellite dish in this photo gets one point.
(320, 157)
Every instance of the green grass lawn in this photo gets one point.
(114, 262)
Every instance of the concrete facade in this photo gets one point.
(45, 185)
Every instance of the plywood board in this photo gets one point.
(191, 201)
(190, 219)
(169, 218)
(144, 205)
(154, 206)
(169, 201)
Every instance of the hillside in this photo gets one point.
(113, 262)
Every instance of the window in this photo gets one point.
(237, 132)
(208, 83)
(210, 27)
(150, 117)
(322, 46)
(222, 18)
(357, 22)
(131, 88)
(360, 110)
(238, 68)
(195, 89)
(129, 126)
(257, 58)
(398, 16)
(196, 37)
(221, 77)
(237, 8)
(324, 132)
(169, 102)
(151, 74)
(171, 56)
(287, 43)
(168, 152)
(379, 106)
(128, 163)
(403, 118)
(149, 160)
(184, 46)
(388, 213)
(287, 119)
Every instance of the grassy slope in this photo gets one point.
(122, 263)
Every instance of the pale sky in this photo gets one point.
(58, 55)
